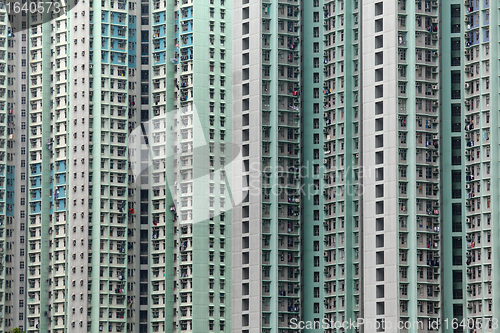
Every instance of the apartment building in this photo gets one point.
(14, 108)
(366, 182)
(341, 94)
(266, 123)
(86, 240)
(108, 232)
(480, 89)
(81, 81)
(452, 125)
(369, 79)
(402, 196)
(188, 198)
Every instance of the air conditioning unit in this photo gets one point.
(467, 186)
(467, 85)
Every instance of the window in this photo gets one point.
(316, 63)
(316, 93)
(316, 230)
(316, 261)
(402, 88)
(316, 47)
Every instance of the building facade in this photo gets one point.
(481, 154)
(266, 124)
(92, 218)
(393, 108)
(241, 166)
